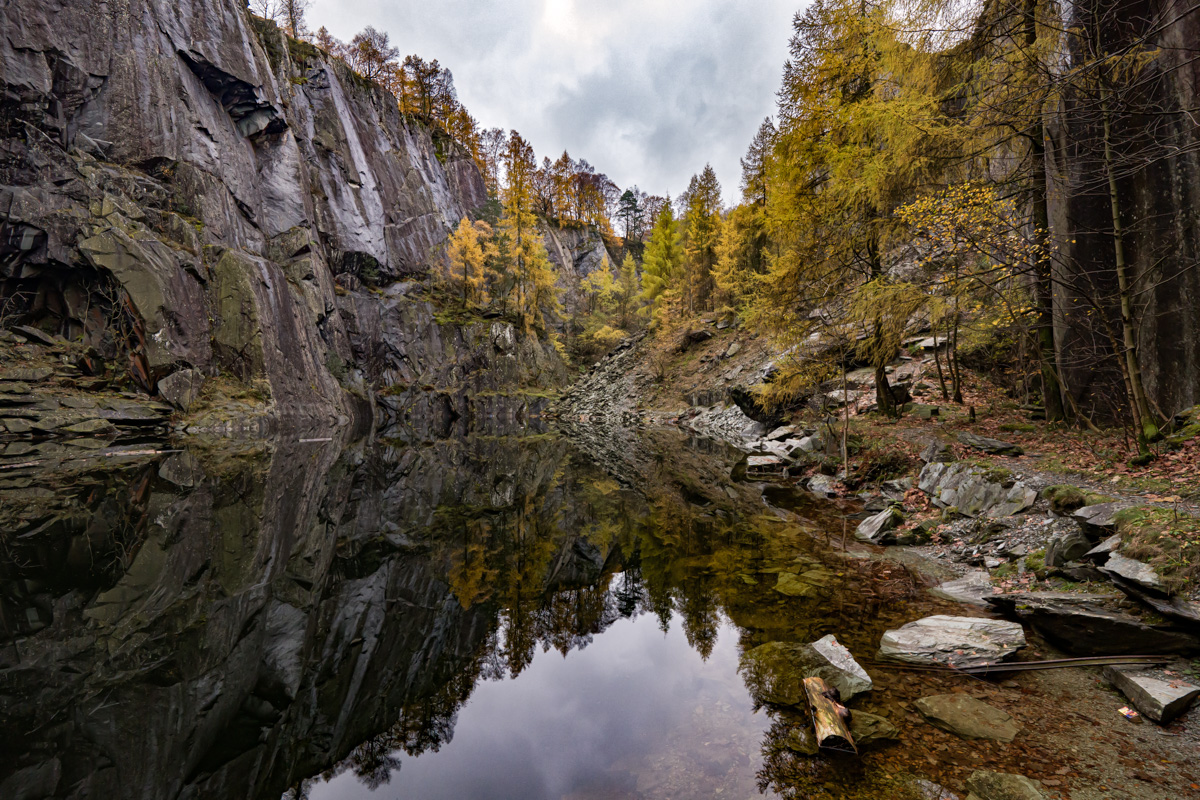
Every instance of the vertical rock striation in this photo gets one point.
(184, 186)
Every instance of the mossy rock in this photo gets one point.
(1065, 498)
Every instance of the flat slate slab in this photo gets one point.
(953, 641)
(1099, 519)
(967, 717)
(1135, 572)
(1159, 698)
(1090, 625)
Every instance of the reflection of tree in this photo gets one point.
(566, 556)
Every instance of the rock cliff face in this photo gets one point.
(1157, 162)
(182, 186)
(576, 251)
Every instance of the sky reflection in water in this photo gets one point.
(634, 714)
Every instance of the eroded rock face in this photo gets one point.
(245, 194)
(973, 491)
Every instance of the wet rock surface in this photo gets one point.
(953, 641)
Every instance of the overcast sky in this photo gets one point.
(648, 91)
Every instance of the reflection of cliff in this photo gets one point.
(253, 621)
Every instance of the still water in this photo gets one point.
(539, 616)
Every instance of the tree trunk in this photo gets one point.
(1146, 426)
(830, 718)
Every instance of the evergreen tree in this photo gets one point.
(663, 262)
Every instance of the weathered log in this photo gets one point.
(831, 720)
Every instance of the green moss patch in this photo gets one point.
(1167, 541)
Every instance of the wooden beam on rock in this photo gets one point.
(831, 720)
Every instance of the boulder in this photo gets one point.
(775, 671)
(1089, 625)
(182, 389)
(1067, 547)
(1136, 572)
(972, 589)
(992, 446)
(953, 641)
(871, 729)
(877, 528)
(967, 717)
(985, 785)
(1175, 608)
(1160, 698)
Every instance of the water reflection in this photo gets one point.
(634, 714)
(493, 616)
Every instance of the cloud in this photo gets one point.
(648, 91)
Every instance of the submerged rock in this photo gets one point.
(775, 671)
(1160, 700)
(972, 588)
(985, 785)
(967, 717)
(953, 641)
(871, 729)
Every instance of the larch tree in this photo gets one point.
(702, 232)
(663, 262)
(535, 278)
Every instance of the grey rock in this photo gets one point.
(953, 641)
(1133, 571)
(937, 452)
(1067, 547)
(775, 671)
(992, 446)
(90, 427)
(823, 485)
(733, 350)
(876, 528)
(1089, 624)
(967, 717)
(973, 588)
(1160, 698)
(182, 469)
(26, 374)
(986, 785)
(1099, 519)
(784, 432)
(968, 489)
(1102, 551)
